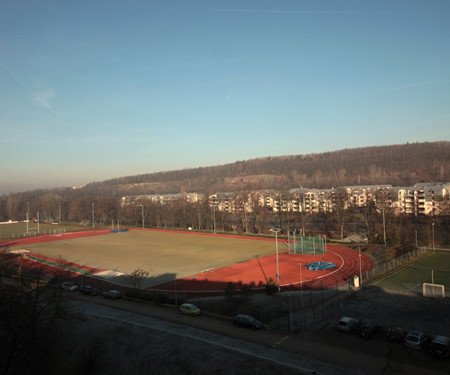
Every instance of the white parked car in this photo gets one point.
(347, 324)
(69, 286)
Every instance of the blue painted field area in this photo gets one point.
(320, 266)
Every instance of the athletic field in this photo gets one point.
(197, 261)
(164, 255)
(434, 267)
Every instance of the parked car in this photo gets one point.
(69, 286)
(347, 324)
(440, 346)
(111, 294)
(248, 321)
(368, 330)
(190, 309)
(395, 334)
(415, 340)
(89, 290)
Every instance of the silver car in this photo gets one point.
(69, 286)
(415, 340)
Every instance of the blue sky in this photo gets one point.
(92, 90)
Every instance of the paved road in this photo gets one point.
(296, 352)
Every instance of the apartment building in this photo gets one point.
(161, 198)
(419, 199)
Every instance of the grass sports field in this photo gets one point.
(412, 277)
(164, 255)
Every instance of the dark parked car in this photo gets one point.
(368, 330)
(395, 334)
(246, 321)
(89, 290)
(440, 346)
(111, 294)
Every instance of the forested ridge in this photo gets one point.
(399, 165)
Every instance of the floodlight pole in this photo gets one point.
(276, 249)
(301, 286)
(384, 228)
(93, 205)
(360, 272)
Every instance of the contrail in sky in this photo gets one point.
(344, 12)
(36, 96)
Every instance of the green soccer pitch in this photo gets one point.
(433, 268)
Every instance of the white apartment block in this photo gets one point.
(420, 199)
(161, 198)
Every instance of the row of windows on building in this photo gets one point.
(423, 198)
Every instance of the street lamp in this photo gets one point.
(275, 230)
(28, 215)
(93, 205)
(432, 234)
(214, 217)
(142, 207)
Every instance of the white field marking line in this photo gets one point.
(414, 287)
(281, 341)
(211, 342)
(396, 272)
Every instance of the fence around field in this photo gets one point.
(308, 308)
(33, 233)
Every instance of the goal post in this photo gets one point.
(433, 290)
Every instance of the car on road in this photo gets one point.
(395, 334)
(111, 294)
(69, 286)
(440, 346)
(190, 309)
(248, 321)
(347, 324)
(415, 340)
(89, 290)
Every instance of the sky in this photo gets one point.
(93, 90)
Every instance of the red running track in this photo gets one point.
(292, 270)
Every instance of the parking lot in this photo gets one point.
(409, 311)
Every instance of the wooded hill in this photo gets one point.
(398, 165)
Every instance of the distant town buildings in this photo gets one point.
(419, 199)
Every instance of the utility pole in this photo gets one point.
(432, 233)
(276, 249)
